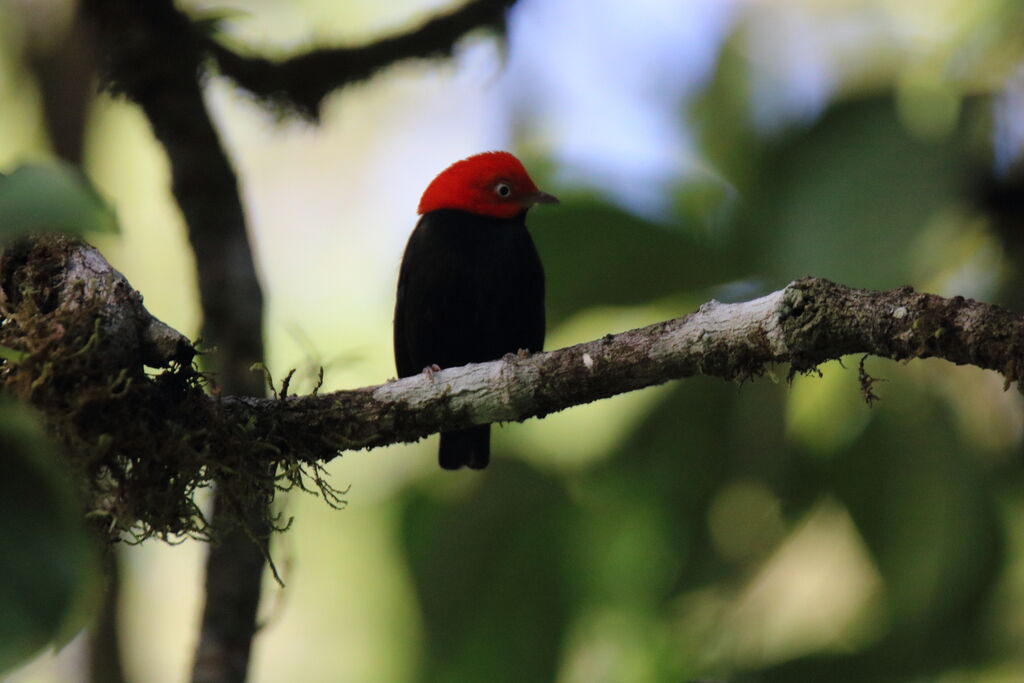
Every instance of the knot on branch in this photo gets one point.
(808, 316)
(823, 320)
(77, 341)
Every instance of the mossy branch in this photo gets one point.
(143, 440)
(808, 322)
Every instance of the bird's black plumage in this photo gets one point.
(470, 289)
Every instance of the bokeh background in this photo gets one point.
(772, 531)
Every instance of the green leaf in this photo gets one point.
(488, 573)
(51, 197)
(919, 494)
(597, 255)
(48, 568)
(11, 355)
(848, 198)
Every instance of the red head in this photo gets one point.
(491, 184)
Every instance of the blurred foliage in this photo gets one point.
(848, 198)
(676, 547)
(628, 260)
(51, 197)
(913, 486)
(764, 532)
(48, 575)
(471, 572)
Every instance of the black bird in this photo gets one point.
(471, 286)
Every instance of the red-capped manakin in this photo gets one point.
(471, 286)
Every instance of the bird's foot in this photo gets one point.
(518, 355)
(431, 369)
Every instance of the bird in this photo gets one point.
(471, 283)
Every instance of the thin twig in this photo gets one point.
(301, 83)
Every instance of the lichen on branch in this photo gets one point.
(142, 440)
(117, 389)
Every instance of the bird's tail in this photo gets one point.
(466, 447)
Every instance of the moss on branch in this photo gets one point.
(143, 440)
(117, 389)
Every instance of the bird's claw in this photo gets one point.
(431, 369)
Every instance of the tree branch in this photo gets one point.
(153, 55)
(807, 323)
(302, 82)
(53, 320)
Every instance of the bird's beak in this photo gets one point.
(540, 197)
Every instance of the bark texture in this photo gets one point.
(153, 54)
(52, 317)
(156, 55)
(807, 323)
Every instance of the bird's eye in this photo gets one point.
(503, 189)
